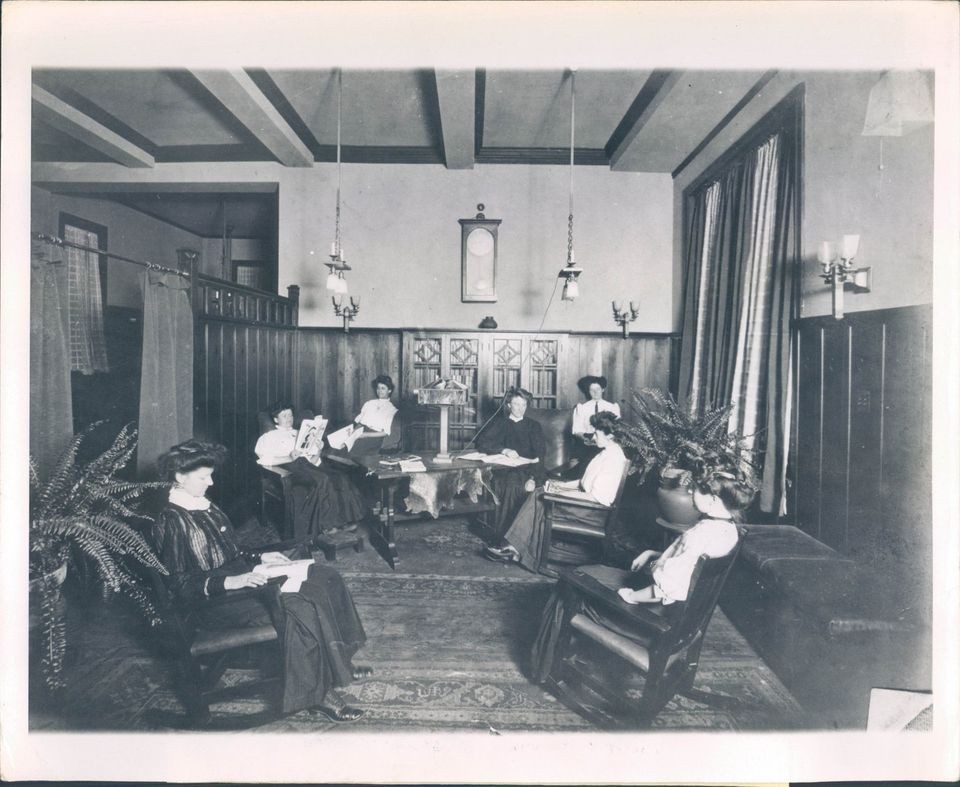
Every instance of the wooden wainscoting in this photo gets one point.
(335, 369)
(863, 453)
(245, 342)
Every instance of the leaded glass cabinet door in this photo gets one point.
(429, 355)
(532, 362)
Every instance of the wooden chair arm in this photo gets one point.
(575, 502)
(278, 470)
(269, 591)
(652, 616)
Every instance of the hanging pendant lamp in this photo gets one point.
(336, 283)
(571, 273)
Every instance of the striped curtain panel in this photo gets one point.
(739, 299)
(88, 348)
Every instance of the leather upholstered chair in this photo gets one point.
(202, 655)
(595, 666)
(557, 428)
(275, 482)
(576, 530)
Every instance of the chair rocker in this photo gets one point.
(595, 666)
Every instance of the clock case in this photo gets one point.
(467, 258)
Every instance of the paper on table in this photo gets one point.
(412, 466)
(296, 571)
(498, 459)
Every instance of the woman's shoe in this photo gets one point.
(337, 710)
(362, 671)
(501, 554)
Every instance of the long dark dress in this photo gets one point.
(324, 497)
(323, 629)
(526, 438)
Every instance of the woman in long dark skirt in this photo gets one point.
(512, 435)
(325, 499)
(196, 543)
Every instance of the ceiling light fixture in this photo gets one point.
(336, 283)
(571, 273)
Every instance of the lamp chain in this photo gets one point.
(573, 116)
(339, 167)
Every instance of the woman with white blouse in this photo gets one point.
(377, 414)
(523, 541)
(584, 445)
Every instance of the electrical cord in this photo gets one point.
(522, 362)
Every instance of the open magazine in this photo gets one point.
(310, 438)
(346, 437)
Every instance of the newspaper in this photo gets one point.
(310, 439)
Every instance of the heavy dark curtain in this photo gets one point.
(740, 295)
(51, 407)
(166, 383)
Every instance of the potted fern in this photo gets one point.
(664, 437)
(82, 512)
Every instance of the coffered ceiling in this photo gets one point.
(628, 120)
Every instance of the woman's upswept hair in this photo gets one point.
(735, 484)
(512, 393)
(605, 422)
(187, 457)
(386, 379)
(278, 407)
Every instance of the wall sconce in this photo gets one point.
(838, 270)
(624, 318)
(347, 312)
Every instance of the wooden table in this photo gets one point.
(388, 480)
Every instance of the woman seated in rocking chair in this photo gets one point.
(196, 543)
(523, 540)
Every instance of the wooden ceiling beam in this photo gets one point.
(63, 117)
(651, 95)
(240, 95)
(456, 96)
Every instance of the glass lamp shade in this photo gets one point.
(850, 246)
(337, 284)
(825, 253)
(571, 290)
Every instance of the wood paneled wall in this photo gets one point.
(862, 443)
(335, 369)
(241, 369)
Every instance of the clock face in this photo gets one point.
(480, 242)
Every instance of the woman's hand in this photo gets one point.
(641, 560)
(530, 485)
(249, 580)
(509, 452)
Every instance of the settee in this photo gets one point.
(824, 623)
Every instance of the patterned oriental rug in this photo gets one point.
(449, 649)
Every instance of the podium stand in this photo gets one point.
(443, 394)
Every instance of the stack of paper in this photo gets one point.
(412, 466)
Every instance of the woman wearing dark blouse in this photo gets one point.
(196, 543)
(512, 435)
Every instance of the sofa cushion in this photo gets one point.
(766, 543)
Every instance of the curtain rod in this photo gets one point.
(55, 241)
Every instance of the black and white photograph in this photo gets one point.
(641, 320)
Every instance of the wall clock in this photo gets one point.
(478, 258)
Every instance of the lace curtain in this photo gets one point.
(88, 350)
